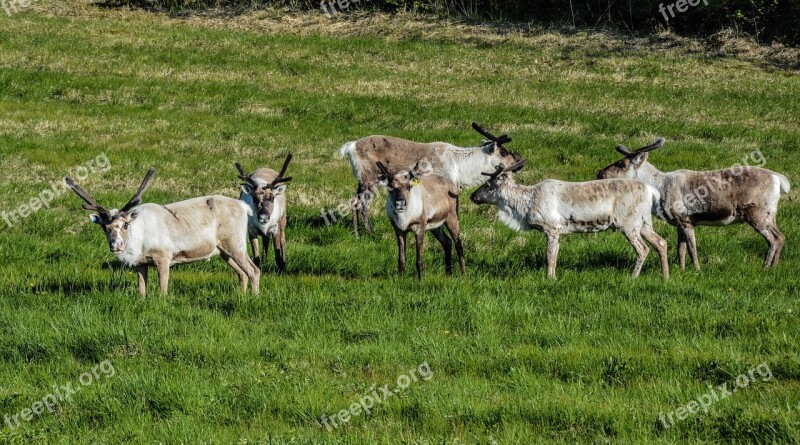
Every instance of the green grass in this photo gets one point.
(593, 356)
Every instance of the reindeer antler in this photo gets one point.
(499, 171)
(628, 153)
(90, 203)
(280, 179)
(137, 198)
(656, 144)
(244, 176)
(504, 139)
(501, 168)
(384, 170)
(517, 166)
(623, 149)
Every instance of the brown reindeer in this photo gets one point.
(418, 202)
(710, 198)
(462, 166)
(264, 191)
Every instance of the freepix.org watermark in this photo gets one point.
(681, 6)
(14, 6)
(713, 185)
(60, 394)
(57, 188)
(715, 394)
(376, 396)
(329, 7)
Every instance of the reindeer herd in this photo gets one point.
(423, 182)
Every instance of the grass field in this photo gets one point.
(591, 357)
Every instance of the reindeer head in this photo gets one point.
(264, 194)
(114, 222)
(493, 146)
(489, 192)
(401, 184)
(630, 162)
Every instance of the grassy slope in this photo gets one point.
(592, 356)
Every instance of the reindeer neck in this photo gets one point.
(514, 196)
(469, 163)
(650, 175)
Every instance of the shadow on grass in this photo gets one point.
(512, 264)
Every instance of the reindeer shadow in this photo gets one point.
(83, 287)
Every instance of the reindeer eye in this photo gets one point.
(125, 226)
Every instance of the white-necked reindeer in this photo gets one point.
(143, 235)
(264, 191)
(711, 198)
(557, 207)
(462, 166)
(418, 202)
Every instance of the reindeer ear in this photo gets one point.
(95, 218)
(246, 188)
(490, 147)
(279, 189)
(639, 159)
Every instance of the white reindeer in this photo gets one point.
(557, 207)
(143, 235)
(462, 166)
(264, 191)
(711, 198)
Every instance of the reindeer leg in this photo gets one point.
(162, 265)
(420, 232)
(141, 271)
(641, 251)
(771, 234)
(366, 197)
(235, 253)
(779, 240)
(682, 248)
(692, 243)
(255, 274)
(265, 240)
(401, 251)
(355, 203)
(455, 232)
(256, 253)
(447, 245)
(552, 253)
(661, 247)
(243, 276)
(280, 246)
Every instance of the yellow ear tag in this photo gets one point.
(414, 182)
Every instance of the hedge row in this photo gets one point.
(767, 20)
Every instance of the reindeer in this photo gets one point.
(557, 207)
(143, 235)
(419, 201)
(710, 198)
(264, 191)
(462, 166)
